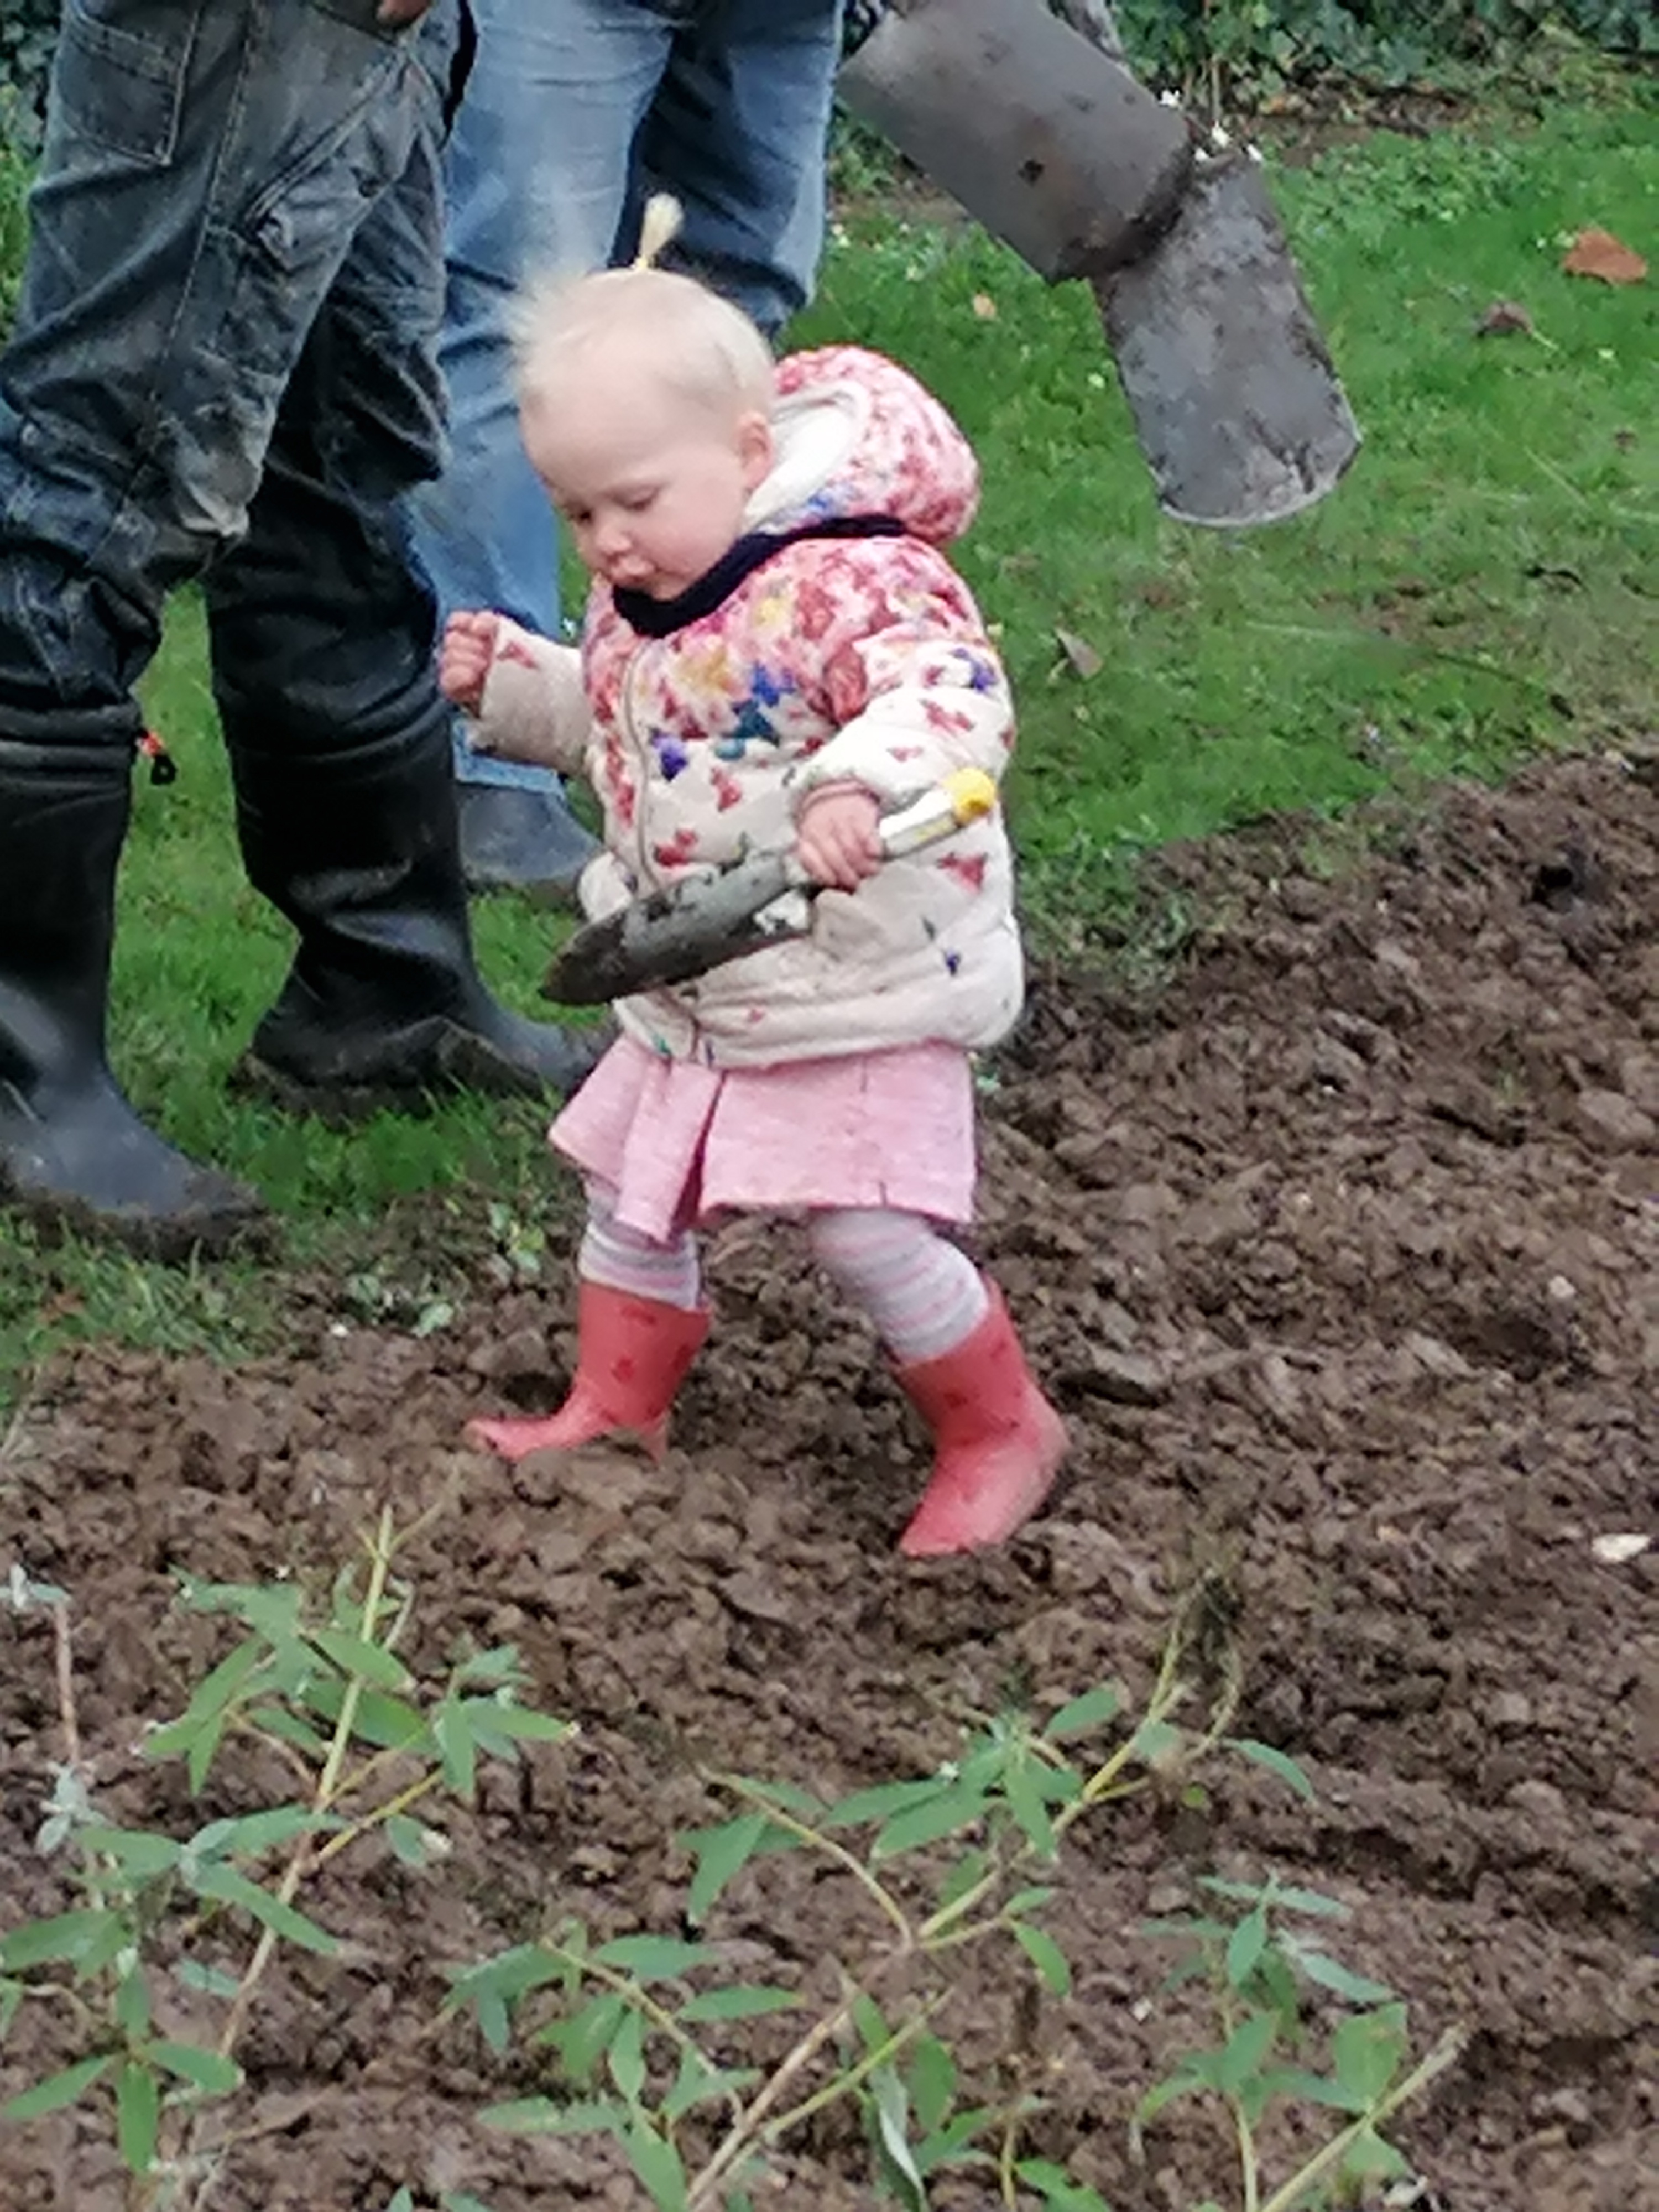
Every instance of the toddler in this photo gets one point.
(776, 653)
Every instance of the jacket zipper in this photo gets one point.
(641, 764)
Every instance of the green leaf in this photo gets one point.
(891, 2108)
(386, 1723)
(1056, 2187)
(130, 2010)
(1191, 2078)
(654, 1957)
(1341, 1980)
(1366, 2052)
(231, 1888)
(582, 2040)
(867, 2018)
(457, 1747)
(1045, 1955)
(1090, 1711)
(1027, 1900)
(500, 1664)
(748, 2001)
(1154, 1741)
(354, 1656)
(210, 1981)
(1273, 1761)
(949, 2145)
(205, 2070)
(12, 1994)
(1245, 1946)
(272, 1608)
(287, 1728)
(67, 1938)
(57, 2090)
(657, 2163)
(211, 1697)
(721, 1854)
(134, 1850)
(541, 2116)
(1370, 2157)
(695, 2081)
(137, 2114)
(931, 2077)
(1295, 2085)
(403, 2201)
(880, 1804)
(626, 2057)
(1025, 1803)
(789, 1797)
(962, 1806)
(410, 1841)
(529, 1726)
(1246, 2048)
(252, 1834)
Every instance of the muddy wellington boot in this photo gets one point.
(356, 843)
(997, 1441)
(632, 1355)
(73, 1153)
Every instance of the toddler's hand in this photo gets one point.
(837, 843)
(465, 658)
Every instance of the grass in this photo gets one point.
(1483, 585)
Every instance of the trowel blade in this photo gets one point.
(1236, 406)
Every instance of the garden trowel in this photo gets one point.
(672, 935)
(1045, 137)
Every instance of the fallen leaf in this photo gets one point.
(1503, 317)
(985, 307)
(1084, 661)
(1599, 253)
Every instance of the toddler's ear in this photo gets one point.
(756, 448)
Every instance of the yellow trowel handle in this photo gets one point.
(967, 795)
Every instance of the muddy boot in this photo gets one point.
(356, 843)
(997, 1441)
(632, 1357)
(73, 1153)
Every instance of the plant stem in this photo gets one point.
(1445, 2053)
(743, 2131)
(1247, 2160)
(306, 1855)
(844, 2084)
(819, 1842)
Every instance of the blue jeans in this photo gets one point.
(224, 367)
(575, 111)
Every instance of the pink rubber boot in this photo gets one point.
(632, 1355)
(997, 1441)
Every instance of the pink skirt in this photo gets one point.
(682, 1144)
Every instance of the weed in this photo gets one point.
(319, 1684)
(640, 2029)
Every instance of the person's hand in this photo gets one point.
(836, 841)
(465, 658)
(394, 14)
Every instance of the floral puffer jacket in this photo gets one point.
(832, 659)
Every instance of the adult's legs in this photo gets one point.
(536, 178)
(202, 181)
(322, 647)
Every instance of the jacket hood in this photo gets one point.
(859, 435)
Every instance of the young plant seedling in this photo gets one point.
(319, 1683)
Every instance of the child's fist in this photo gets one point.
(836, 840)
(465, 657)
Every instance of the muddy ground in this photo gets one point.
(1339, 1252)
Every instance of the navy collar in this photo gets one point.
(662, 617)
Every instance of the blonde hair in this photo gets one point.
(702, 346)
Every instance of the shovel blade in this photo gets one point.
(1236, 406)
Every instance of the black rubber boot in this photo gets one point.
(73, 1153)
(357, 844)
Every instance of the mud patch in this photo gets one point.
(1341, 1256)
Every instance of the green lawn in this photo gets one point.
(1483, 584)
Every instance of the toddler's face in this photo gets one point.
(651, 485)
